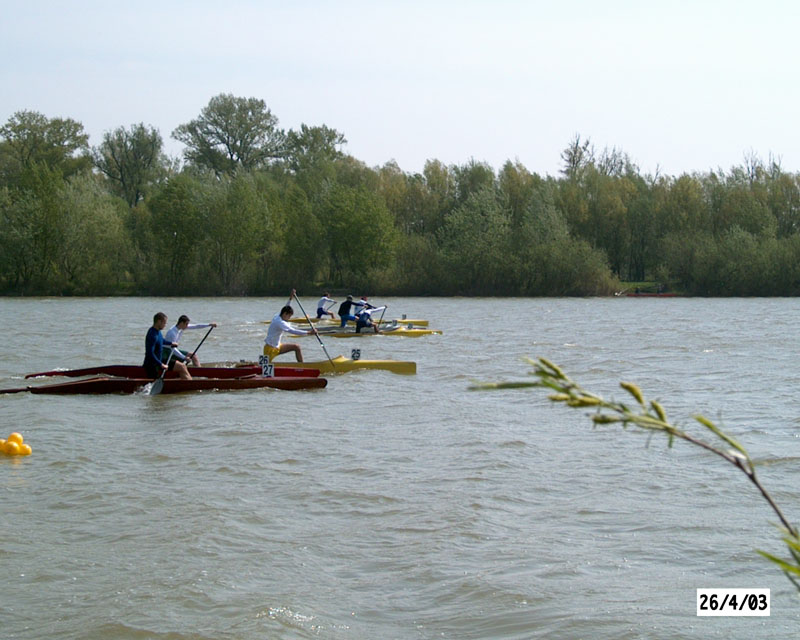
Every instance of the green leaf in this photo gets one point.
(788, 568)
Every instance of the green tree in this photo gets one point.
(606, 226)
(419, 268)
(94, 247)
(577, 155)
(441, 196)
(30, 138)
(393, 189)
(270, 271)
(740, 206)
(572, 201)
(549, 261)
(684, 207)
(304, 241)
(232, 217)
(60, 237)
(783, 200)
(475, 243)
(471, 178)
(311, 154)
(17, 262)
(353, 173)
(32, 231)
(360, 235)
(232, 133)
(518, 187)
(132, 160)
(642, 209)
(177, 233)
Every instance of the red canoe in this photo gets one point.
(134, 371)
(172, 385)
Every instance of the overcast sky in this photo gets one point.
(678, 86)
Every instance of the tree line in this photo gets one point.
(252, 209)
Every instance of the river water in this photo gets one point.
(389, 506)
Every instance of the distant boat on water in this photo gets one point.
(652, 295)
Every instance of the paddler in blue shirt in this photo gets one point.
(153, 345)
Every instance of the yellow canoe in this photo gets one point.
(419, 322)
(327, 322)
(343, 365)
(405, 331)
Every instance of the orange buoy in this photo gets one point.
(15, 446)
(11, 448)
(15, 437)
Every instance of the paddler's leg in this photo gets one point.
(288, 346)
(182, 370)
(186, 354)
(270, 352)
(273, 352)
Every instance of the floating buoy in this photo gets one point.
(15, 446)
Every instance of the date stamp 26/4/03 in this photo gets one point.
(733, 602)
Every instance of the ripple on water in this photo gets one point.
(401, 506)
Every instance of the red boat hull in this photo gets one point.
(174, 385)
(134, 371)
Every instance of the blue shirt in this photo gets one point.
(153, 344)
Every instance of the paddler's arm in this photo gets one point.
(288, 327)
(178, 353)
(201, 326)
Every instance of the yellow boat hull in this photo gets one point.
(406, 332)
(340, 364)
(327, 322)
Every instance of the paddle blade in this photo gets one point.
(157, 386)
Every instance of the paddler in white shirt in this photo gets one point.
(280, 324)
(321, 310)
(364, 316)
(174, 335)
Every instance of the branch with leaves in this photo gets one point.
(650, 416)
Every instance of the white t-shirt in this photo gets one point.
(277, 328)
(175, 335)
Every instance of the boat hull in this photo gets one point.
(652, 295)
(134, 371)
(103, 385)
(323, 322)
(340, 364)
(404, 331)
